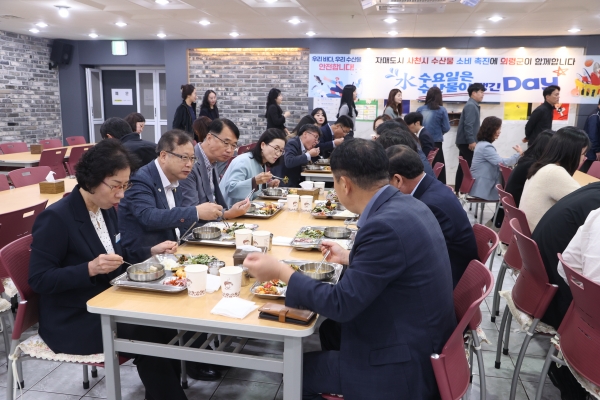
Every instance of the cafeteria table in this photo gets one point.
(583, 178)
(14, 199)
(179, 311)
(317, 176)
(23, 160)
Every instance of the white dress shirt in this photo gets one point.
(169, 188)
(583, 252)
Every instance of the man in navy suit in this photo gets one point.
(394, 302)
(395, 136)
(414, 120)
(406, 174)
(333, 135)
(299, 151)
(118, 128)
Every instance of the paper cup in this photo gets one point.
(261, 239)
(292, 202)
(196, 279)
(307, 185)
(306, 202)
(243, 237)
(320, 186)
(231, 281)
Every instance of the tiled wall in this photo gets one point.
(242, 79)
(29, 93)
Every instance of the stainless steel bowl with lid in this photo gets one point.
(337, 232)
(207, 232)
(323, 161)
(326, 271)
(311, 167)
(273, 192)
(145, 272)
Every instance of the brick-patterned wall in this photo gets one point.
(242, 79)
(29, 93)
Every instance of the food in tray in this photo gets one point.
(327, 168)
(310, 234)
(295, 267)
(270, 287)
(268, 209)
(203, 259)
(292, 191)
(324, 209)
(332, 196)
(175, 281)
(232, 228)
(179, 273)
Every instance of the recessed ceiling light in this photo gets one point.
(390, 20)
(33, 30)
(41, 24)
(294, 21)
(270, 1)
(93, 35)
(310, 33)
(443, 48)
(495, 18)
(161, 2)
(204, 22)
(234, 34)
(121, 24)
(479, 32)
(574, 30)
(392, 33)
(161, 35)
(63, 11)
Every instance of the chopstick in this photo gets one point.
(276, 177)
(250, 194)
(186, 232)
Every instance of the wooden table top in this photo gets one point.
(583, 178)
(26, 196)
(27, 158)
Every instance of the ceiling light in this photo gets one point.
(161, 35)
(234, 34)
(93, 35)
(33, 30)
(294, 21)
(161, 2)
(310, 33)
(41, 24)
(574, 30)
(204, 22)
(121, 24)
(495, 19)
(270, 1)
(392, 33)
(63, 11)
(390, 20)
(479, 32)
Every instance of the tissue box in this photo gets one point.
(52, 187)
(309, 192)
(36, 148)
(240, 255)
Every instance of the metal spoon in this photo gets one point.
(322, 261)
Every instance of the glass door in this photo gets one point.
(95, 103)
(152, 102)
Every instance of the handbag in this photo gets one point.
(281, 313)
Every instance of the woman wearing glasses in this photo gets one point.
(75, 253)
(249, 170)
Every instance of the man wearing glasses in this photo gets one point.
(333, 135)
(202, 184)
(299, 151)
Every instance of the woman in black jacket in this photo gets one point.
(185, 115)
(275, 115)
(209, 108)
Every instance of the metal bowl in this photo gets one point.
(323, 161)
(337, 232)
(273, 192)
(310, 167)
(252, 208)
(207, 232)
(326, 272)
(145, 272)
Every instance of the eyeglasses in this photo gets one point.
(232, 146)
(123, 187)
(278, 151)
(314, 135)
(183, 158)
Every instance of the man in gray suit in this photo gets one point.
(468, 126)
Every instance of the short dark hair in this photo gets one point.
(413, 117)
(475, 87)
(383, 117)
(115, 127)
(316, 110)
(218, 124)
(345, 121)
(133, 118)
(549, 90)
(309, 128)
(564, 149)
(200, 127)
(402, 123)
(404, 161)
(187, 90)
(306, 120)
(267, 137)
(104, 159)
(392, 137)
(391, 124)
(488, 129)
(363, 161)
(536, 149)
(172, 139)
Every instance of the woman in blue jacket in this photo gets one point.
(435, 120)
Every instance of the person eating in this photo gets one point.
(298, 151)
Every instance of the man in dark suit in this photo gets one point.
(299, 151)
(395, 136)
(406, 174)
(394, 301)
(333, 135)
(414, 120)
(202, 184)
(120, 129)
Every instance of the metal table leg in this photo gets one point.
(292, 368)
(111, 361)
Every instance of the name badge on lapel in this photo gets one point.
(117, 238)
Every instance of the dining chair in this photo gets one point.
(431, 156)
(437, 169)
(51, 143)
(54, 158)
(451, 368)
(467, 185)
(76, 153)
(14, 147)
(4, 182)
(487, 241)
(505, 171)
(246, 148)
(527, 302)
(18, 223)
(594, 169)
(28, 176)
(505, 233)
(75, 140)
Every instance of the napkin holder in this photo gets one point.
(36, 148)
(309, 192)
(52, 187)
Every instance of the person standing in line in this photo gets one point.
(209, 108)
(592, 128)
(347, 107)
(185, 115)
(468, 126)
(435, 120)
(541, 117)
(394, 104)
(320, 116)
(275, 115)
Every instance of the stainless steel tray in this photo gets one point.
(223, 241)
(331, 215)
(281, 295)
(320, 170)
(264, 196)
(155, 286)
(252, 215)
(316, 245)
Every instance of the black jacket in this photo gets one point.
(145, 150)
(183, 119)
(427, 143)
(540, 119)
(275, 118)
(518, 177)
(293, 160)
(207, 112)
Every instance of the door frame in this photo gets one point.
(157, 121)
(92, 122)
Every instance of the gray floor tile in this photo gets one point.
(486, 322)
(200, 390)
(531, 367)
(67, 379)
(506, 367)
(550, 392)
(538, 346)
(34, 395)
(130, 384)
(496, 389)
(279, 395)
(231, 389)
(33, 372)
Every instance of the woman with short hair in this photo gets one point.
(136, 121)
(320, 116)
(185, 115)
(201, 128)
